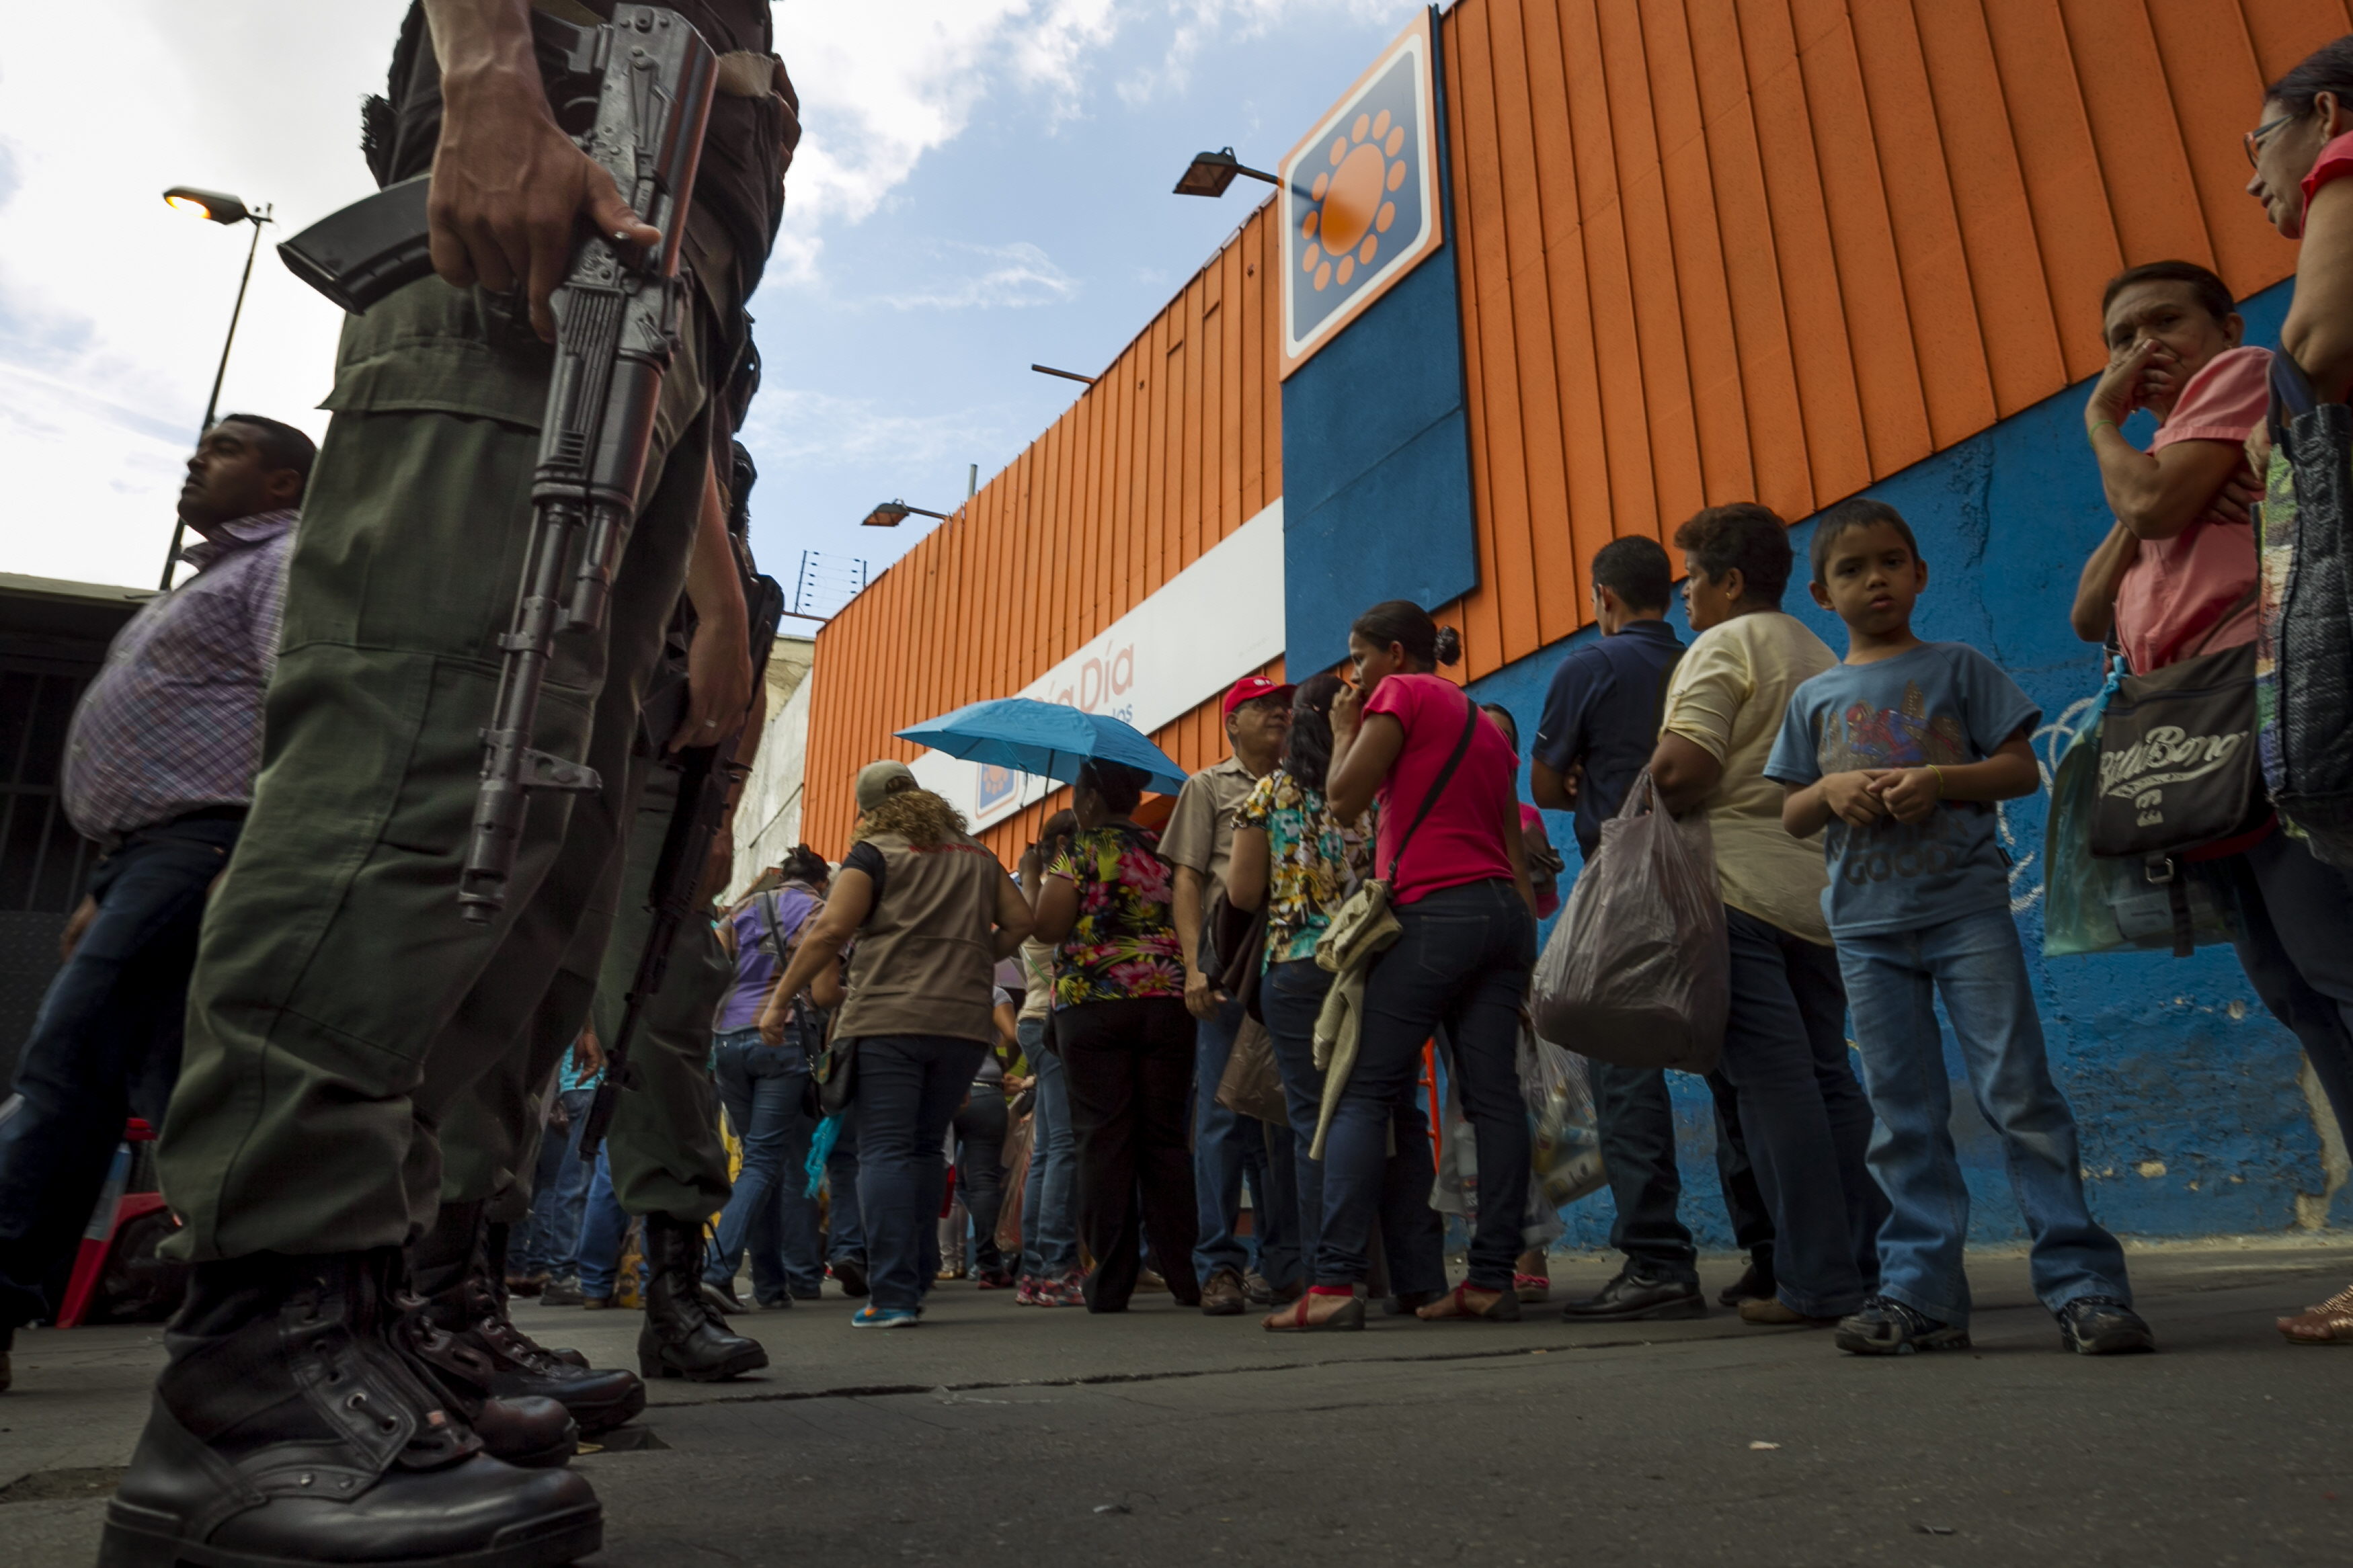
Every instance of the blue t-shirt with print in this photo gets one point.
(1943, 703)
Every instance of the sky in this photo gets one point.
(981, 184)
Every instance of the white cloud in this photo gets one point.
(991, 276)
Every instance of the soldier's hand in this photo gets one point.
(718, 686)
(509, 185)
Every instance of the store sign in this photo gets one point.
(1216, 621)
(1359, 196)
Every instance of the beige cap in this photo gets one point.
(877, 782)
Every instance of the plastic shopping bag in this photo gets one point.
(2094, 903)
(1638, 973)
(1568, 1145)
(1251, 1085)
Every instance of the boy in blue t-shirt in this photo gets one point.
(1896, 757)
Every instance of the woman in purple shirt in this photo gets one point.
(764, 1089)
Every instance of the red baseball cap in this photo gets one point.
(1251, 688)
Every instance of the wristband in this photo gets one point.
(2089, 430)
(1940, 778)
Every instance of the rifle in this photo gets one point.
(706, 774)
(617, 319)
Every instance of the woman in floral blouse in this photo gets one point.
(1126, 1039)
(1292, 854)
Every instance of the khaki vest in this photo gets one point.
(927, 958)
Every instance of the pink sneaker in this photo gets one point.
(1025, 1291)
(1070, 1291)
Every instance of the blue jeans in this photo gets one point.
(764, 1088)
(2296, 946)
(1050, 1226)
(1222, 1142)
(1807, 1123)
(105, 1046)
(1461, 964)
(1976, 965)
(1636, 1118)
(561, 1193)
(604, 1227)
(845, 1238)
(908, 1089)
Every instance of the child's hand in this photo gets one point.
(1851, 798)
(1909, 793)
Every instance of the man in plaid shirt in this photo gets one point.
(159, 769)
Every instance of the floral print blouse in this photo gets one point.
(1313, 862)
(1124, 944)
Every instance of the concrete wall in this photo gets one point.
(768, 812)
(2198, 1116)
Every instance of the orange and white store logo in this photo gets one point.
(1360, 198)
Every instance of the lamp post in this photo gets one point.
(892, 514)
(220, 207)
(1211, 173)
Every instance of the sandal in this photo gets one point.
(2330, 1323)
(1456, 1303)
(1294, 1319)
(1531, 1287)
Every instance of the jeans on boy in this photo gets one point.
(1217, 1139)
(1807, 1123)
(560, 1194)
(763, 1088)
(1975, 964)
(1636, 1118)
(908, 1087)
(1049, 1225)
(1461, 962)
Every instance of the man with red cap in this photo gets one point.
(1199, 842)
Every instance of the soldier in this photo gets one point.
(341, 1010)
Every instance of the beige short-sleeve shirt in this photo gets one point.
(1729, 694)
(1200, 830)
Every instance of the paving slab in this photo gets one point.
(995, 1433)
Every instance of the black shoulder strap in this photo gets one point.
(767, 902)
(1445, 775)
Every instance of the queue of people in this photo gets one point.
(1850, 800)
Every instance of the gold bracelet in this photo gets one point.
(1940, 778)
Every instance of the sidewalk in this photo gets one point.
(1001, 1434)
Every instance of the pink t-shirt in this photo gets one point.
(1462, 839)
(2177, 590)
(2335, 162)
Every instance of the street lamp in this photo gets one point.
(1211, 173)
(1065, 375)
(892, 514)
(220, 207)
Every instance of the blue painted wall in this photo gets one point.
(2186, 1090)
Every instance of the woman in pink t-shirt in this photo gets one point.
(2298, 913)
(1458, 885)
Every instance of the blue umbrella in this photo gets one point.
(1050, 739)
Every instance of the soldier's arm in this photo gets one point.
(506, 182)
(719, 662)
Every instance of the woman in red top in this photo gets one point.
(1461, 895)
(2301, 148)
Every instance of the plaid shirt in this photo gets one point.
(173, 722)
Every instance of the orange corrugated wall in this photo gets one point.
(1710, 250)
(1718, 250)
(1178, 442)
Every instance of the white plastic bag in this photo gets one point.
(1638, 971)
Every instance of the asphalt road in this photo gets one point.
(996, 1434)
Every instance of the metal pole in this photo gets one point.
(211, 403)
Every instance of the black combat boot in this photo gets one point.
(286, 1429)
(480, 1349)
(494, 1256)
(681, 1338)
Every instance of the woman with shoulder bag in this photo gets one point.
(2298, 913)
(932, 911)
(766, 1090)
(1126, 1039)
(1448, 847)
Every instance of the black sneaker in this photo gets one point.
(1887, 1327)
(1754, 1284)
(2102, 1325)
(851, 1274)
(1634, 1296)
